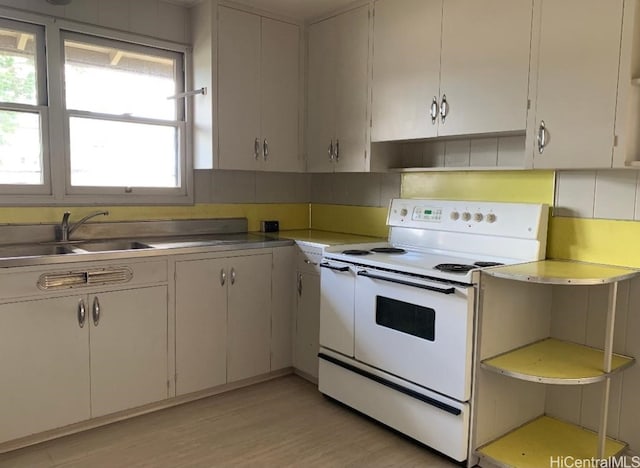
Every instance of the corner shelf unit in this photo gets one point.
(522, 354)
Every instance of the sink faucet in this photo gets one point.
(66, 230)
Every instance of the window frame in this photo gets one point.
(55, 138)
(179, 124)
(41, 108)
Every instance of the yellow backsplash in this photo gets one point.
(362, 220)
(504, 186)
(291, 216)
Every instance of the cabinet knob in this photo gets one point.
(233, 276)
(82, 313)
(96, 311)
(542, 137)
(223, 277)
(265, 149)
(256, 148)
(444, 108)
(330, 151)
(434, 110)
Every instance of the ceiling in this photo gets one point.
(298, 9)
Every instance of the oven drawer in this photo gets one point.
(440, 429)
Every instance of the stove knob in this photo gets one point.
(403, 212)
(455, 215)
(466, 216)
(491, 218)
(478, 217)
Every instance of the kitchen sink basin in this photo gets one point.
(36, 250)
(110, 245)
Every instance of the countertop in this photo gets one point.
(180, 245)
(324, 238)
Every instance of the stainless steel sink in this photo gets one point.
(36, 250)
(110, 245)
(186, 243)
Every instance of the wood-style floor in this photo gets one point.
(284, 422)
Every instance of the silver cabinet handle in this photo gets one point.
(233, 276)
(309, 262)
(96, 311)
(337, 149)
(542, 137)
(256, 148)
(444, 108)
(330, 151)
(299, 284)
(223, 277)
(82, 313)
(434, 110)
(265, 149)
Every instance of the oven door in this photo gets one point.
(416, 329)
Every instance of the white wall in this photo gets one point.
(602, 194)
(154, 18)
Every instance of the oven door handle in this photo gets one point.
(407, 283)
(335, 268)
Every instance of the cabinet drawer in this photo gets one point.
(38, 281)
(308, 259)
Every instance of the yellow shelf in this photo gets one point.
(562, 272)
(544, 439)
(556, 362)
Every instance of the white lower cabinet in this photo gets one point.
(201, 325)
(59, 368)
(44, 357)
(128, 348)
(249, 317)
(223, 320)
(307, 314)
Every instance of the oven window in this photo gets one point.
(408, 318)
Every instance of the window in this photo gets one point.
(123, 129)
(22, 105)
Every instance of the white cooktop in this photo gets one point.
(413, 262)
(434, 232)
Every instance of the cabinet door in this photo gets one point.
(280, 94)
(577, 82)
(44, 357)
(238, 88)
(321, 97)
(282, 307)
(128, 349)
(352, 65)
(406, 68)
(249, 316)
(307, 324)
(485, 65)
(201, 324)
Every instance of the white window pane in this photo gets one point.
(17, 67)
(114, 81)
(20, 148)
(122, 154)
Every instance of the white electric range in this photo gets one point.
(397, 318)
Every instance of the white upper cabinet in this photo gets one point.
(252, 117)
(577, 83)
(337, 133)
(484, 72)
(406, 68)
(239, 142)
(449, 68)
(280, 96)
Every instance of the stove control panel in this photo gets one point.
(427, 213)
(520, 220)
